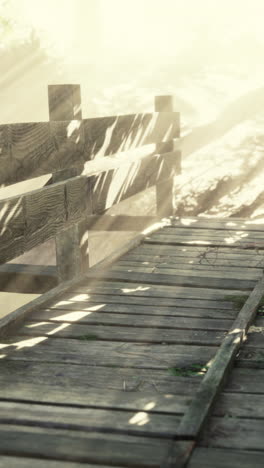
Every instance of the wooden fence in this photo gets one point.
(67, 207)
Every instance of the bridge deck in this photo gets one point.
(104, 375)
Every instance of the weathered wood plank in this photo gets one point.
(45, 214)
(189, 265)
(73, 376)
(221, 233)
(110, 135)
(196, 250)
(203, 270)
(130, 320)
(234, 433)
(222, 458)
(245, 381)
(184, 280)
(123, 333)
(142, 310)
(240, 406)
(111, 187)
(109, 354)
(139, 289)
(150, 401)
(230, 224)
(151, 303)
(49, 443)
(29, 220)
(207, 240)
(12, 225)
(25, 462)
(89, 419)
(35, 149)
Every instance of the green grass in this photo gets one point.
(237, 301)
(192, 370)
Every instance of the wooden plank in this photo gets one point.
(234, 433)
(49, 443)
(139, 289)
(35, 149)
(110, 354)
(34, 218)
(89, 419)
(135, 310)
(189, 265)
(221, 233)
(113, 333)
(110, 135)
(45, 214)
(231, 224)
(130, 320)
(199, 260)
(171, 280)
(198, 412)
(251, 355)
(114, 186)
(83, 301)
(222, 458)
(240, 406)
(202, 270)
(207, 240)
(25, 462)
(17, 317)
(12, 225)
(149, 401)
(245, 381)
(18, 374)
(193, 250)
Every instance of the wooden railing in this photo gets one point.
(77, 193)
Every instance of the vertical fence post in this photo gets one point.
(164, 190)
(72, 249)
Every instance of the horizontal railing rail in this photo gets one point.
(69, 206)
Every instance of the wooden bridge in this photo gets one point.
(151, 358)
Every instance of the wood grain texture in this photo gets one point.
(34, 149)
(81, 446)
(155, 310)
(88, 419)
(12, 228)
(110, 353)
(148, 321)
(209, 296)
(29, 220)
(234, 433)
(134, 334)
(184, 280)
(73, 376)
(111, 187)
(112, 399)
(225, 458)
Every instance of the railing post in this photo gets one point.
(164, 190)
(72, 249)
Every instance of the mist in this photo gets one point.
(207, 54)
